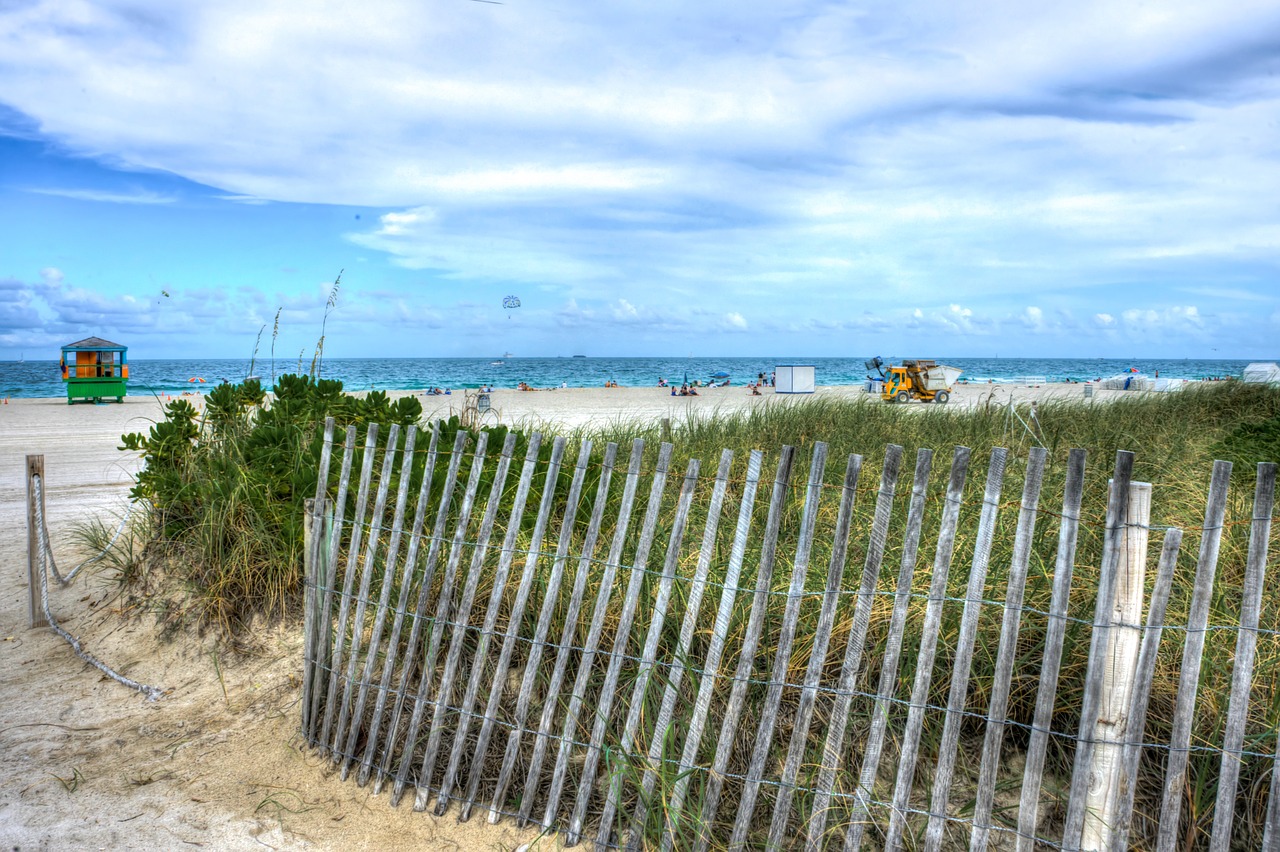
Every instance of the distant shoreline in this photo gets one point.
(31, 379)
(565, 407)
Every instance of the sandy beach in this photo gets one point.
(86, 763)
(574, 407)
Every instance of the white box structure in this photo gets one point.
(794, 378)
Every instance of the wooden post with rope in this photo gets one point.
(35, 467)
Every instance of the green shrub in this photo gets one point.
(225, 491)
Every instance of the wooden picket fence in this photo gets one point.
(608, 695)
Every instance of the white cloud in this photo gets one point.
(1220, 293)
(899, 170)
(534, 178)
(134, 197)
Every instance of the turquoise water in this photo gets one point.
(42, 378)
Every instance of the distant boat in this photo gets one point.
(579, 356)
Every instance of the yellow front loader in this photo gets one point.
(916, 378)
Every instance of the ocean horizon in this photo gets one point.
(37, 379)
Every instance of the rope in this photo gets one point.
(44, 532)
(45, 559)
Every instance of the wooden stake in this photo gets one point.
(35, 467)
(1123, 643)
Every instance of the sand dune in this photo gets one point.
(86, 763)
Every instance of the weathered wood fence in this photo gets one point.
(702, 689)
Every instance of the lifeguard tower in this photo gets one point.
(94, 368)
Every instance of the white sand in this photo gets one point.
(581, 406)
(86, 763)
(197, 768)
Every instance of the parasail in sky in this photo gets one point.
(510, 302)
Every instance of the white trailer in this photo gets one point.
(794, 378)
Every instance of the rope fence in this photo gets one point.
(41, 564)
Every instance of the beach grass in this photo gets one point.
(227, 511)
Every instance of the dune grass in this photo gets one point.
(226, 493)
(1175, 437)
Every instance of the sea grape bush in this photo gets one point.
(226, 489)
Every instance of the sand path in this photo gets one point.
(86, 763)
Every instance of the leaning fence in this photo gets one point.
(620, 651)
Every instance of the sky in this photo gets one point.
(1012, 179)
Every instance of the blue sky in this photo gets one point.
(650, 178)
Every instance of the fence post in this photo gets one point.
(1106, 770)
(308, 606)
(35, 467)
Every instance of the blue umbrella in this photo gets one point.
(719, 374)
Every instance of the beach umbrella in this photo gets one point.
(719, 374)
(196, 379)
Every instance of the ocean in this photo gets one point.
(42, 378)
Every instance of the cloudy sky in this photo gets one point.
(649, 178)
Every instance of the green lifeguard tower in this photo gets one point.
(94, 368)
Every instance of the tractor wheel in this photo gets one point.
(942, 398)
(902, 397)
